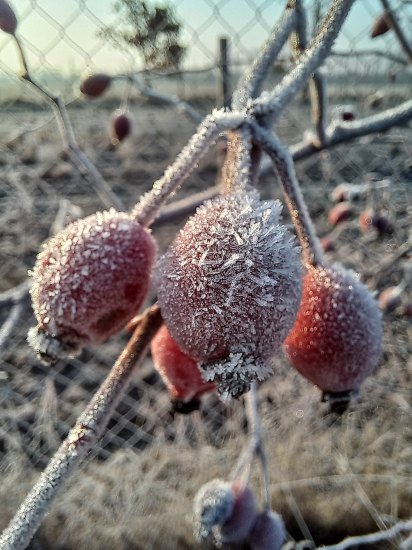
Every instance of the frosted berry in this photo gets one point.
(238, 525)
(89, 280)
(268, 532)
(95, 85)
(340, 213)
(119, 127)
(366, 220)
(381, 25)
(212, 506)
(328, 243)
(390, 298)
(8, 20)
(336, 339)
(179, 372)
(229, 287)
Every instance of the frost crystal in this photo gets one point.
(89, 280)
(229, 288)
(212, 506)
(337, 337)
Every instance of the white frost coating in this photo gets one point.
(212, 506)
(336, 341)
(229, 288)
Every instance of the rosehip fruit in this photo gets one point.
(8, 20)
(336, 339)
(268, 532)
(119, 127)
(95, 85)
(381, 25)
(212, 506)
(229, 287)
(179, 372)
(366, 220)
(89, 280)
(328, 243)
(238, 525)
(340, 193)
(340, 213)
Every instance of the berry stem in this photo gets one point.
(147, 209)
(284, 167)
(275, 101)
(237, 169)
(403, 42)
(79, 159)
(82, 437)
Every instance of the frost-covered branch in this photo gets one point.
(342, 132)
(15, 295)
(317, 82)
(148, 207)
(12, 319)
(251, 83)
(397, 30)
(79, 159)
(237, 169)
(373, 538)
(284, 167)
(276, 100)
(81, 438)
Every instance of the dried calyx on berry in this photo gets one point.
(229, 287)
(179, 372)
(89, 280)
(337, 337)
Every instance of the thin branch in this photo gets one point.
(376, 53)
(251, 83)
(181, 106)
(282, 159)
(237, 169)
(15, 295)
(9, 324)
(147, 209)
(79, 159)
(407, 50)
(81, 438)
(317, 82)
(276, 100)
(354, 542)
(343, 132)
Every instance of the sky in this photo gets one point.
(62, 35)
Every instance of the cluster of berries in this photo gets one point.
(228, 513)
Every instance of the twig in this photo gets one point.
(343, 132)
(15, 295)
(182, 106)
(237, 169)
(377, 53)
(398, 31)
(82, 437)
(148, 207)
(276, 100)
(79, 159)
(251, 83)
(282, 159)
(9, 324)
(317, 82)
(353, 542)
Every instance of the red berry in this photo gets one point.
(328, 244)
(237, 527)
(381, 25)
(179, 372)
(89, 280)
(366, 220)
(229, 287)
(95, 85)
(119, 127)
(340, 193)
(336, 339)
(268, 532)
(407, 310)
(8, 20)
(340, 213)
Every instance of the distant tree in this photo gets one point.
(154, 31)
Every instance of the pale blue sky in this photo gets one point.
(62, 34)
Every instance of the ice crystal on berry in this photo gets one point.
(212, 506)
(229, 287)
(88, 282)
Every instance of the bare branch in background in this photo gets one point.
(394, 531)
(276, 100)
(317, 82)
(12, 319)
(377, 53)
(82, 437)
(79, 159)
(406, 47)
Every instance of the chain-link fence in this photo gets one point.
(41, 190)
